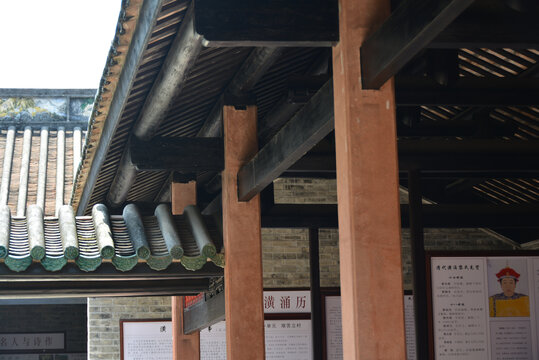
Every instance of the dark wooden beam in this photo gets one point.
(184, 154)
(468, 91)
(479, 158)
(250, 72)
(301, 216)
(310, 125)
(99, 288)
(204, 314)
(476, 216)
(403, 35)
(107, 272)
(495, 30)
(433, 216)
(267, 23)
(472, 157)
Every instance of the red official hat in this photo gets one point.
(507, 272)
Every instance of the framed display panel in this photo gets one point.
(483, 305)
(146, 339)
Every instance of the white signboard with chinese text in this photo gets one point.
(333, 328)
(280, 302)
(485, 307)
(31, 341)
(409, 327)
(288, 339)
(213, 342)
(144, 340)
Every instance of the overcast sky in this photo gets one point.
(55, 43)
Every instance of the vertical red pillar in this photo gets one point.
(367, 188)
(184, 347)
(244, 312)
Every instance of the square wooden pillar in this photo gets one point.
(368, 197)
(182, 194)
(244, 312)
(184, 347)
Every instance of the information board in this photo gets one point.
(146, 339)
(485, 307)
(286, 339)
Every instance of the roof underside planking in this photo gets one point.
(456, 89)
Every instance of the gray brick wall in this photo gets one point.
(104, 315)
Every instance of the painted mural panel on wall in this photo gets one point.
(44, 109)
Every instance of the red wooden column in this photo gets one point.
(182, 194)
(367, 189)
(244, 313)
(184, 347)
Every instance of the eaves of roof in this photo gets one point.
(124, 240)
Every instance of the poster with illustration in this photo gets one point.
(508, 288)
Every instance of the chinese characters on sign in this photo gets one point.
(31, 341)
(287, 302)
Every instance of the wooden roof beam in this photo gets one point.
(470, 91)
(523, 216)
(310, 125)
(267, 23)
(409, 29)
(170, 82)
(185, 154)
(147, 18)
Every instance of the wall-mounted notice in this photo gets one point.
(333, 328)
(213, 342)
(146, 339)
(484, 307)
(409, 327)
(288, 339)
